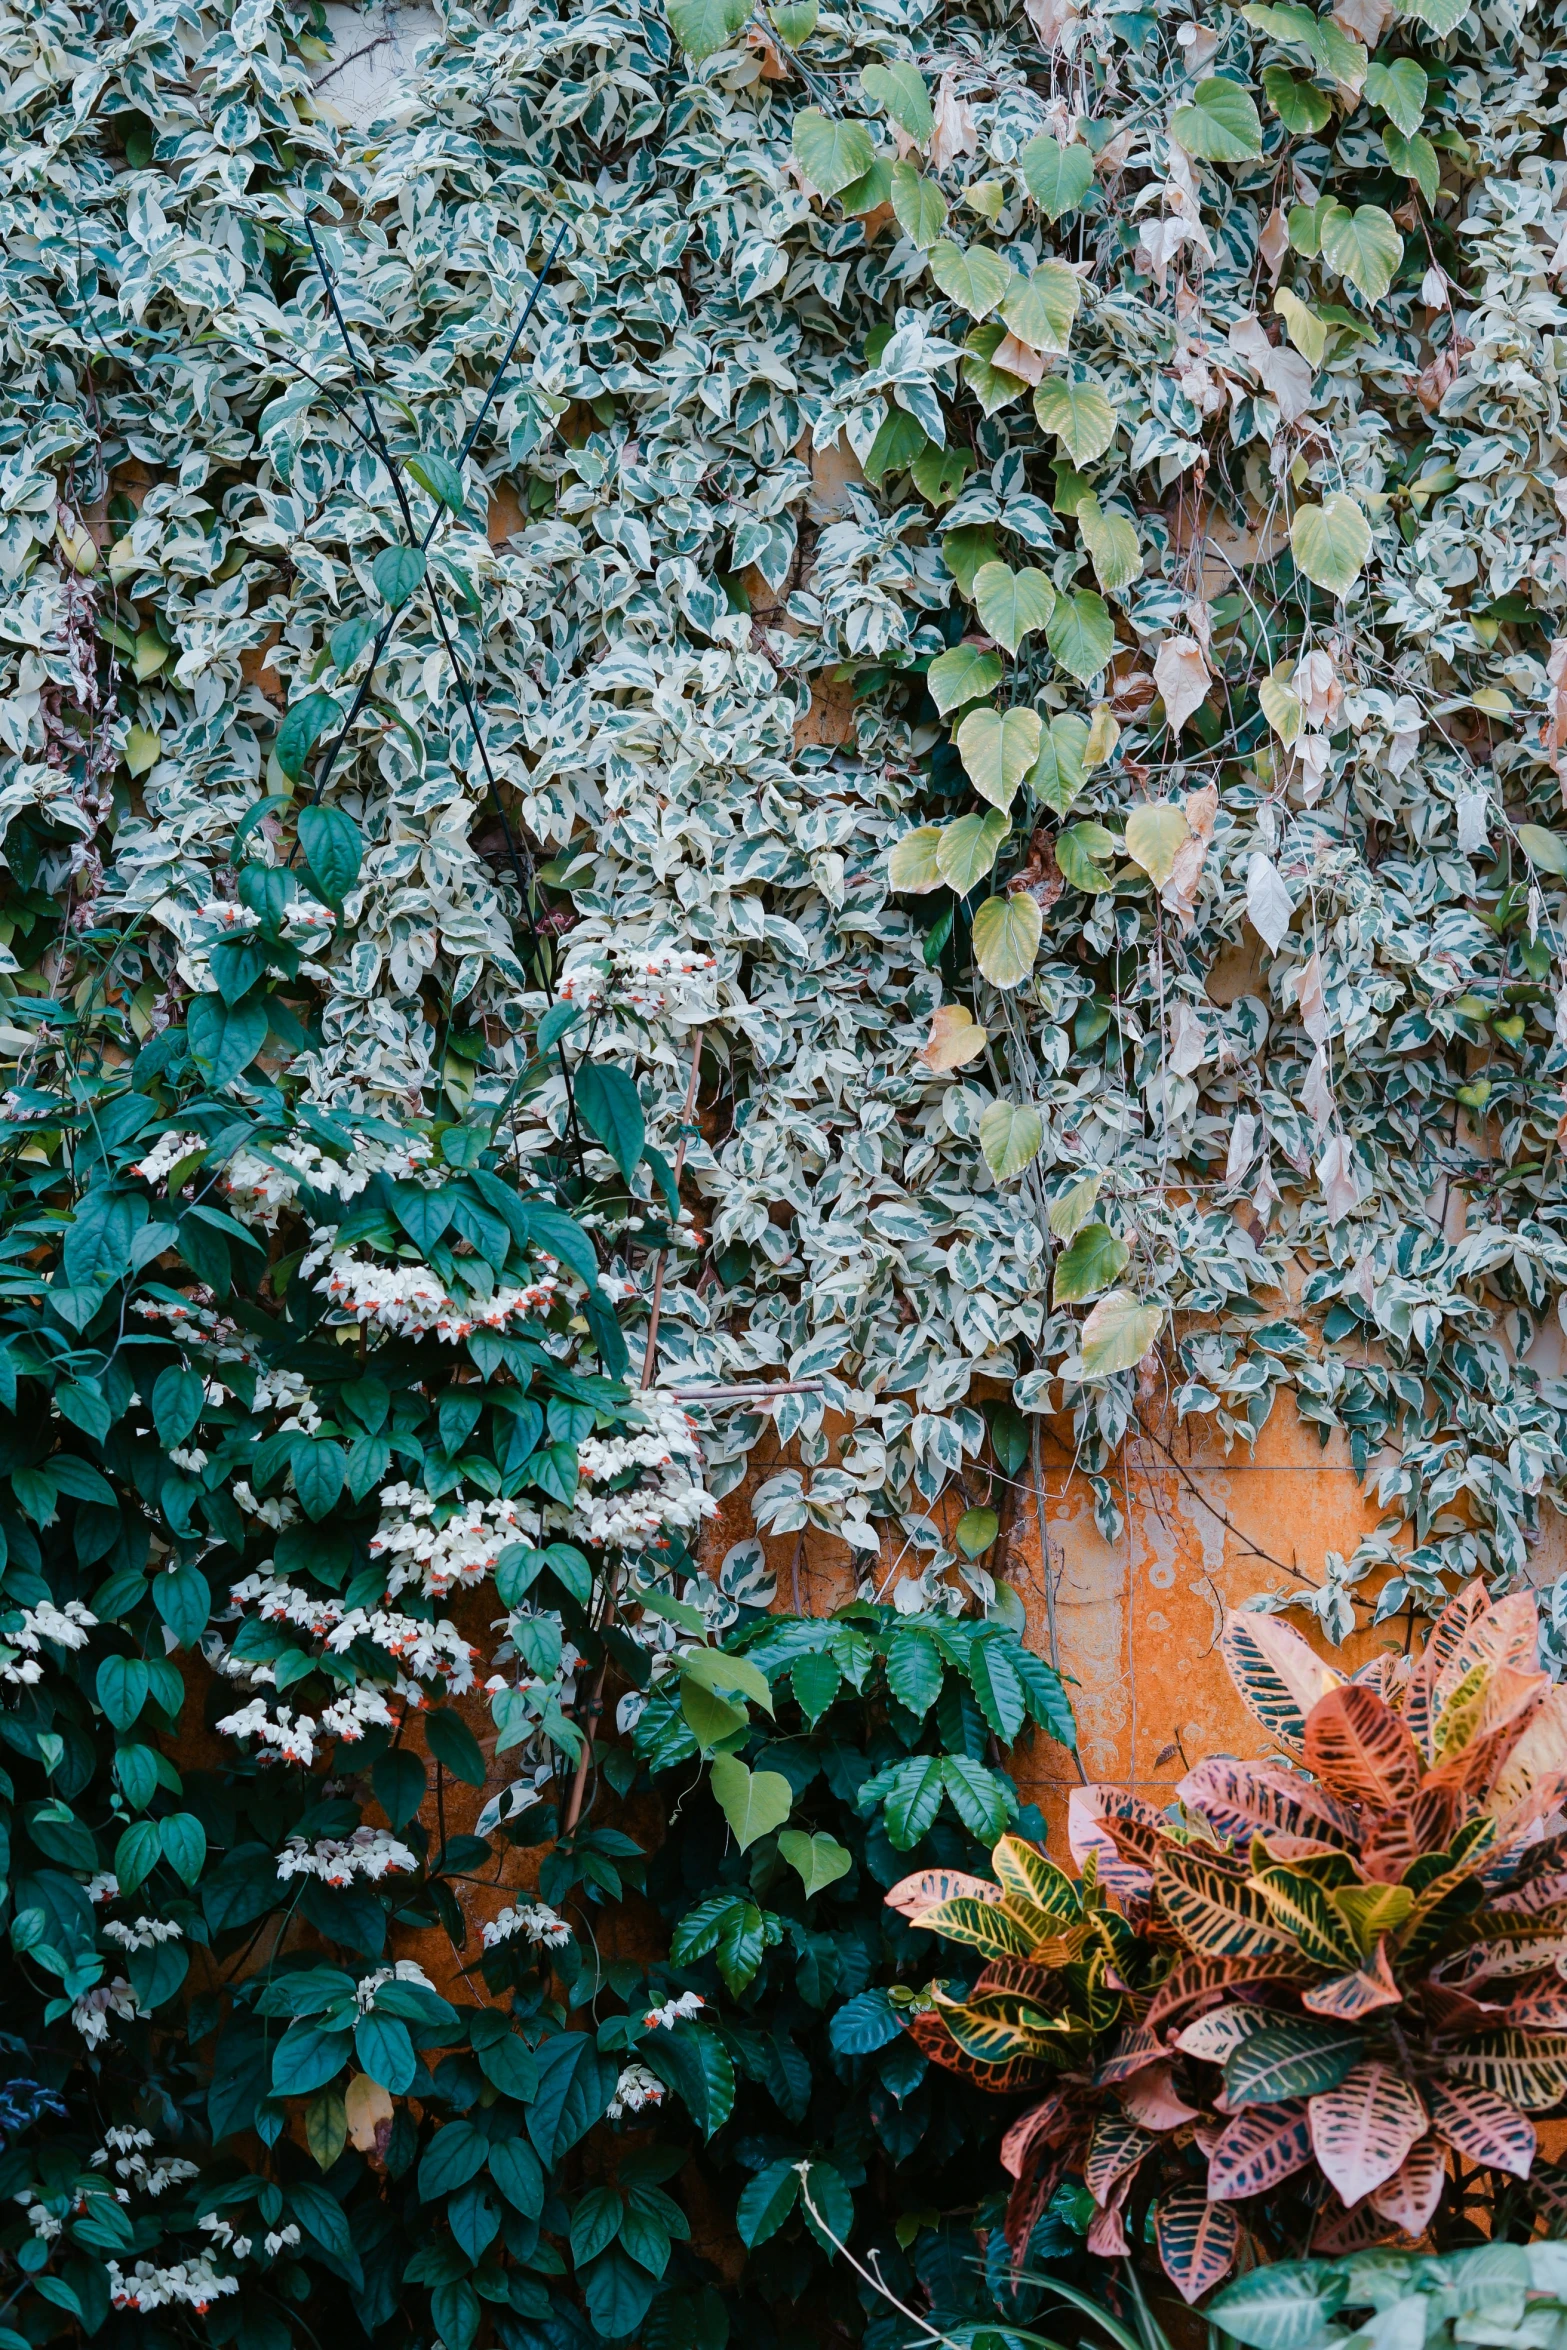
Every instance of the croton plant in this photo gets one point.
(1335, 1972)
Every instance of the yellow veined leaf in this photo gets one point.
(326, 2127)
(1011, 1135)
(980, 1925)
(1213, 1912)
(975, 1531)
(1007, 932)
(1371, 1911)
(912, 867)
(1012, 604)
(1278, 1677)
(912, 1896)
(964, 674)
(955, 1039)
(968, 849)
(1031, 1880)
(918, 206)
(972, 276)
(1117, 2146)
(1156, 832)
(1040, 309)
(1111, 541)
(1079, 414)
(1330, 543)
(1281, 707)
(997, 748)
(1301, 1907)
(1118, 1333)
(1071, 1211)
(1306, 330)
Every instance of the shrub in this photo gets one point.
(1346, 1965)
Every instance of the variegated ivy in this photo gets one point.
(1153, 415)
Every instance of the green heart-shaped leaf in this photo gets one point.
(1059, 772)
(831, 154)
(900, 91)
(1079, 413)
(1081, 634)
(918, 206)
(1095, 1259)
(912, 866)
(1040, 309)
(1330, 543)
(1364, 245)
(1117, 1334)
(968, 849)
(964, 674)
(1111, 541)
(1011, 1135)
(997, 748)
(972, 276)
(1221, 125)
(1057, 177)
(1012, 604)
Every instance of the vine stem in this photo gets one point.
(663, 1254)
(588, 1722)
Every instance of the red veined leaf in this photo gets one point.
(1115, 2150)
(1482, 2126)
(1212, 2036)
(1349, 1997)
(1448, 1635)
(1212, 1910)
(1279, 1678)
(1535, 1898)
(1152, 2099)
(927, 1887)
(1089, 1812)
(1136, 2048)
(1107, 2233)
(1338, 2232)
(1509, 1702)
(1510, 1954)
(1530, 1781)
(1020, 1975)
(930, 2035)
(1362, 2130)
(1029, 2197)
(1537, 2011)
(1197, 2241)
(1243, 1799)
(1259, 2146)
(1427, 1823)
(1412, 2194)
(1198, 1980)
(1359, 1749)
(1040, 2126)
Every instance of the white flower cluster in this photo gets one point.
(43, 2222)
(90, 2014)
(410, 1300)
(406, 1970)
(636, 2088)
(674, 2011)
(368, 1852)
(258, 1187)
(534, 1920)
(195, 2284)
(461, 1551)
(223, 2230)
(166, 1154)
(287, 1393)
(428, 1651)
(289, 1739)
(146, 1934)
(665, 1451)
(198, 1322)
(642, 978)
(104, 1887)
(67, 1627)
(127, 2150)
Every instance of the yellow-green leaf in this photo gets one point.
(1112, 544)
(1281, 708)
(1330, 542)
(912, 866)
(1306, 330)
(1221, 125)
(997, 748)
(972, 276)
(1057, 177)
(918, 206)
(832, 153)
(1081, 634)
(1118, 1333)
(899, 89)
(1078, 412)
(968, 849)
(1060, 768)
(1071, 1211)
(1040, 309)
(1364, 245)
(1155, 834)
(1006, 938)
(143, 749)
(1011, 1135)
(964, 674)
(1012, 604)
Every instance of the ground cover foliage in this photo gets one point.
(426, 947)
